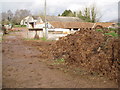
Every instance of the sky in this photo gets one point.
(108, 9)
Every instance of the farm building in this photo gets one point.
(60, 25)
(33, 22)
(70, 26)
(100, 25)
(71, 23)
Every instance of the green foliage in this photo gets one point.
(118, 24)
(59, 61)
(74, 14)
(112, 34)
(93, 14)
(112, 29)
(23, 25)
(19, 25)
(89, 14)
(1, 37)
(59, 15)
(68, 13)
(44, 38)
(84, 18)
(99, 30)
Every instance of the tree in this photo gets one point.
(8, 17)
(90, 14)
(68, 13)
(74, 14)
(93, 14)
(59, 15)
(87, 14)
(80, 15)
(4, 17)
(20, 14)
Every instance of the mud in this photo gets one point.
(27, 64)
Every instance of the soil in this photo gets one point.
(92, 50)
(28, 64)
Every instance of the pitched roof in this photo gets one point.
(71, 24)
(104, 24)
(62, 19)
(35, 17)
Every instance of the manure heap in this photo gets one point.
(91, 50)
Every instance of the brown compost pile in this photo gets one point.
(90, 49)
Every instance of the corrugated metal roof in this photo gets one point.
(62, 19)
(71, 24)
(35, 17)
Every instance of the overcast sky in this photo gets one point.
(107, 8)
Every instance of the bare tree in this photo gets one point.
(87, 14)
(20, 14)
(4, 18)
(90, 14)
(93, 14)
(9, 16)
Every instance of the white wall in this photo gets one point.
(31, 34)
(65, 31)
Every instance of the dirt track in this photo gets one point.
(24, 68)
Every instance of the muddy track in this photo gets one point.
(23, 68)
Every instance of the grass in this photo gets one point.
(19, 25)
(58, 61)
(1, 35)
(113, 29)
(1, 39)
(112, 34)
(99, 30)
(44, 39)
